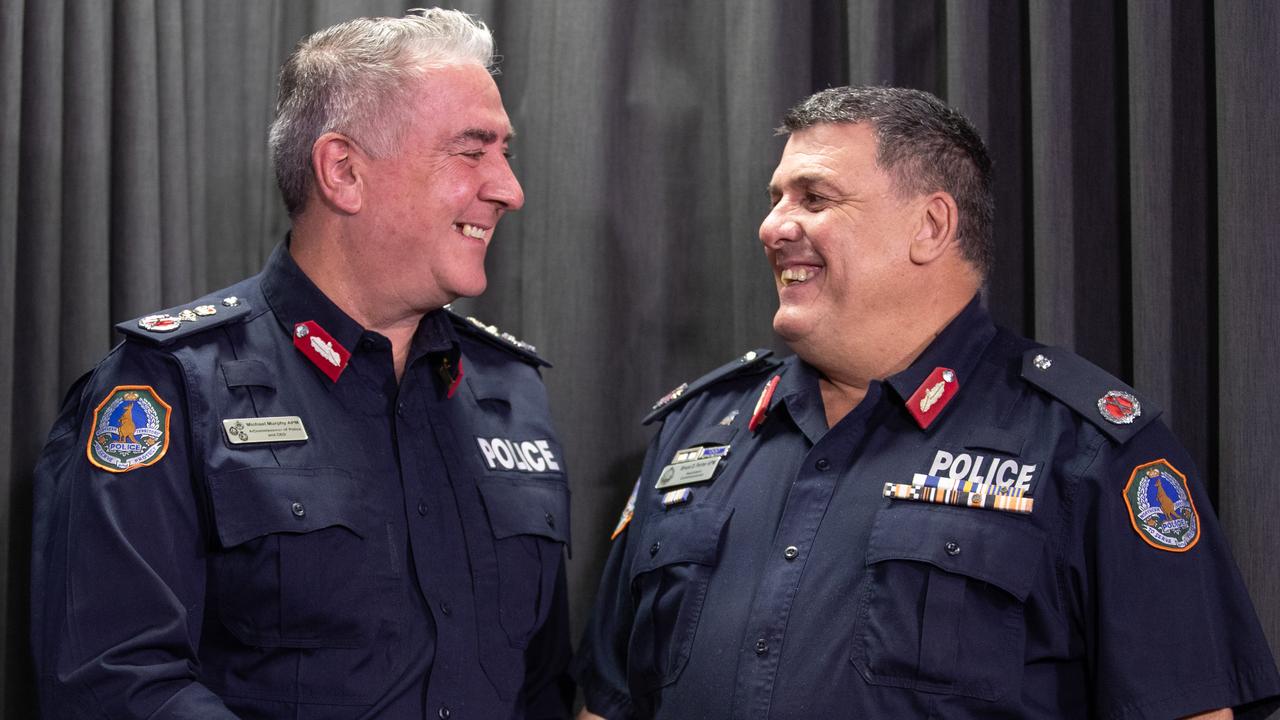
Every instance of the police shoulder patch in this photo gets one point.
(1161, 508)
(492, 335)
(751, 361)
(1117, 409)
(166, 327)
(628, 512)
(130, 429)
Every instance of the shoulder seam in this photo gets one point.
(749, 362)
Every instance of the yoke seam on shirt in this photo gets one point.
(1075, 476)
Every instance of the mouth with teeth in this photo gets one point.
(472, 231)
(797, 274)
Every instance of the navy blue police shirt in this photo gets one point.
(1013, 554)
(197, 557)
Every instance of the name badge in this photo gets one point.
(692, 465)
(250, 431)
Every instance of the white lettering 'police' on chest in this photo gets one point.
(1003, 474)
(522, 455)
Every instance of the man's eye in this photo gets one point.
(473, 154)
(812, 200)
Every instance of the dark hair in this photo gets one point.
(924, 146)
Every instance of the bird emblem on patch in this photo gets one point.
(130, 429)
(1161, 509)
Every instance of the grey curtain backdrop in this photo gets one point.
(1137, 162)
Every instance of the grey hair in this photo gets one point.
(354, 78)
(924, 146)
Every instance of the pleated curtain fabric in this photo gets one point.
(1136, 157)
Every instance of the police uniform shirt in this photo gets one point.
(404, 560)
(789, 586)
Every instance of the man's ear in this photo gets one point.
(337, 166)
(939, 220)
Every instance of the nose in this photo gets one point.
(778, 227)
(502, 188)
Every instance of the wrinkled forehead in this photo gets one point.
(826, 150)
(461, 102)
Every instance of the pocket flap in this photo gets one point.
(241, 373)
(690, 536)
(526, 507)
(981, 544)
(252, 502)
(1004, 442)
(714, 435)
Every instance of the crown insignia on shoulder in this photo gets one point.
(497, 337)
(165, 327)
(1117, 409)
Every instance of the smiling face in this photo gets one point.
(430, 208)
(838, 237)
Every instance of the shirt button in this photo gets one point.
(953, 548)
(822, 464)
(298, 509)
(762, 647)
(422, 508)
(400, 408)
(444, 712)
(551, 520)
(791, 552)
(444, 608)
(654, 548)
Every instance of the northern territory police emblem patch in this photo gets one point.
(1161, 508)
(130, 429)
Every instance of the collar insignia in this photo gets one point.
(320, 348)
(933, 395)
(758, 416)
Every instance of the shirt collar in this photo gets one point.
(295, 299)
(958, 348)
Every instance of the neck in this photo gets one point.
(326, 260)
(881, 344)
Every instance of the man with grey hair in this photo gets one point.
(918, 514)
(319, 493)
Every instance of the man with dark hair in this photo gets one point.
(918, 514)
(318, 493)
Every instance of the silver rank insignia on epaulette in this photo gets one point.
(505, 336)
(166, 322)
(671, 396)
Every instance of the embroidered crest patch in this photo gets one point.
(130, 429)
(1161, 508)
(628, 512)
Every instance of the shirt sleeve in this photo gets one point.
(118, 572)
(600, 667)
(1167, 621)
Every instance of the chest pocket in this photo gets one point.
(530, 523)
(941, 609)
(299, 557)
(671, 568)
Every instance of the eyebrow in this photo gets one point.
(804, 181)
(480, 134)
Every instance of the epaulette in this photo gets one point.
(752, 361)
(493, 336)
(1089, 390)
(169, 326)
